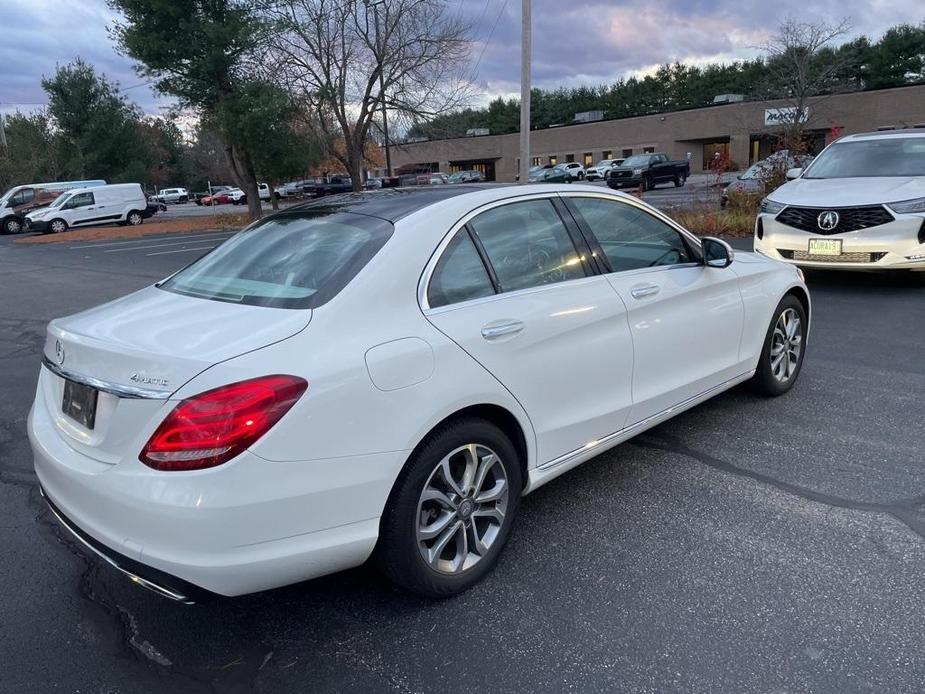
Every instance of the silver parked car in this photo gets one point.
(754, 178)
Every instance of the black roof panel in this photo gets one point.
(390, 204)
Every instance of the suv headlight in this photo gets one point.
(769, 206)
(908, 206)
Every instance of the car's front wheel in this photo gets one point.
(57, 226)
(784, 347)
(451, 510)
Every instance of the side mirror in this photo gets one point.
(716, 252)
(794, 173)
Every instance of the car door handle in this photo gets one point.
(492, 331)
(643, 290)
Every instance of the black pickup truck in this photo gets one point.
(647, 171)
(335, 185)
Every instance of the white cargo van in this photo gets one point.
(121, 203)
(18, 201)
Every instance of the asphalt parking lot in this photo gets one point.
(748, 545)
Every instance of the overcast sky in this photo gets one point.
(578, 41)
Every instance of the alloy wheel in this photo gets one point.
(786, 345)
(462, 509)
(57, 226)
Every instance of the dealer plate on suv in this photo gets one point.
(825, 246)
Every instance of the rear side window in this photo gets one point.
(527, 245)
(460, 274)
(289, 261)
(632, 238)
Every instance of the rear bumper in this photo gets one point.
(242, 527)
(892, 246)
(163, 584)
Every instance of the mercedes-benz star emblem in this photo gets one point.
(827, 220)
(59, 352)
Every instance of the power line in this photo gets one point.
(490, 34)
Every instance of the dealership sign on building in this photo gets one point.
(784, 116)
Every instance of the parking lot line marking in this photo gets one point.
(183, 250)
(193, 237)
(159, 245)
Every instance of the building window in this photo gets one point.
(715, 154)
(648, 150)
(569, 158)
(627, 152)
(588, 158)
(553, 159)
(608, 154)
(536, 161)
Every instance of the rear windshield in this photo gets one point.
(881, 157)
(289, 261)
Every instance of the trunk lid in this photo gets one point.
(151, 342)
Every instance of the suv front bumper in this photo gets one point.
(897, 245)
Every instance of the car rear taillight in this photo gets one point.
(213, 427)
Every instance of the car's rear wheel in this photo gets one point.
(679, 180)
(57, 226)
(134, 218)
(784, 348)
(451, 510)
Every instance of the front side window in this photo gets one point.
(630, 237)
(460, 275)
(527, 245)
(289, 261)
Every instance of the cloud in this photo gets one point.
(577, 42)
(40, 35)
(598, 41)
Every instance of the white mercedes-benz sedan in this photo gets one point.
(860, 206)
(385, 374)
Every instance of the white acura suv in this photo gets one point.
(860, 205)
(385, 374)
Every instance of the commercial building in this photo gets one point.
(745, 131)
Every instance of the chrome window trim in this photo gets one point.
(131, 392)
(424, 282)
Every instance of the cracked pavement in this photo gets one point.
(747, 545)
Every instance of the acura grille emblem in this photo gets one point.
(827, 220)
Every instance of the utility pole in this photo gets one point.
(526, 40)
(2, 131)
(385, 119)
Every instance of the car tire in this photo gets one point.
(783, 353)
(647, 184)
(680, 180)
(134, 218)
(11, 225)
(57, 226)
(432, 503)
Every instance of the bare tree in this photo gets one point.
(344, 59)
(802, 66)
